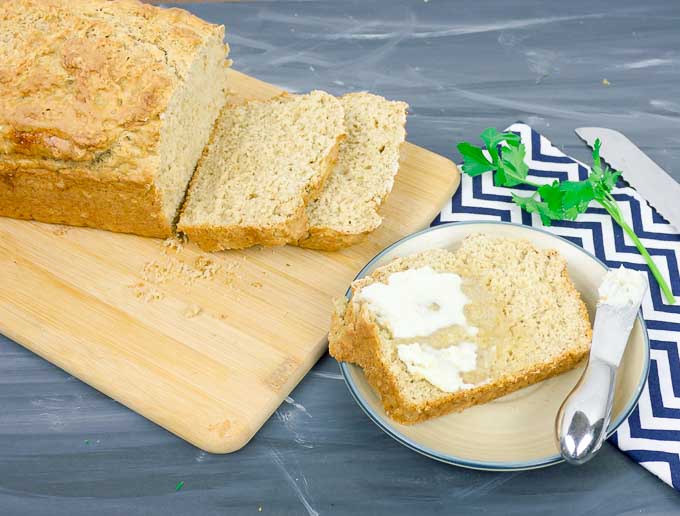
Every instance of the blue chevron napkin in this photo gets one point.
(651, 435)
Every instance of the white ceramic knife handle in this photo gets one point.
(583, 419)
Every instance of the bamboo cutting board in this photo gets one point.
(205, 345)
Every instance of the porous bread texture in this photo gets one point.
(105, 108)
(347, 208)
(264, 162)
(530, 299)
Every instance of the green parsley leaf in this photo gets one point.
(610, 179)
(602, 180)
(492, 139)
(552, 195)
(531, 205)
(597, 163)
(476, 162)
(576, 197)
(513, 171)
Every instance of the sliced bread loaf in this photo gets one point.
(531, 324)
(347, 209)
(264, 162)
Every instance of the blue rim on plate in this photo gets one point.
(385, 425)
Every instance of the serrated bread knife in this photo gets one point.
(583, 419)
(648, 178)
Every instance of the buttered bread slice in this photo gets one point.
(440, 331)
(347, 209)
(264, 162)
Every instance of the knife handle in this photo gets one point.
(583, 419)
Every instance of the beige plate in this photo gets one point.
(517, 431)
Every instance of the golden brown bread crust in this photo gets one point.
(329, 239)
(83, 88)
(218, 238)
(354, 338)
(78, 200)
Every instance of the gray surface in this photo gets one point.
(66, 449)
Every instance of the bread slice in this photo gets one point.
(347, 209)
(265, 161)
(105, 108)
(532, 325)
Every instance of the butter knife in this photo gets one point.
(583, 419)
(648, 178)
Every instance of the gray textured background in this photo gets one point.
(462, 66)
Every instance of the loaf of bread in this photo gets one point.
(530, 324)
(347, 209)
(264, 162)
(105, 108)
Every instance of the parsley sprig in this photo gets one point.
(559, 200)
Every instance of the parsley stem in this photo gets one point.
(609, 204)
(535, 185)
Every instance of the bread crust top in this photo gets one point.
(80, 77)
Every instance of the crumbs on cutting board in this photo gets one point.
(192, 311)
(60, 230)
(230, 273)
(146, 292)
(174, 243)
(169, 267)
(205, 267)
(161, 271)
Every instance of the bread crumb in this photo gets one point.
(230, 274)
(223, 317)
(605, 82)
(192, 311)
(153, 295)
(146, 293)
(158, 272)
(155, 272)
(174, 243)
(256, 284)
(60, 230)
(205, 267)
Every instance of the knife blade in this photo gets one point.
(649, 179)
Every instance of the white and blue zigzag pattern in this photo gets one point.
(651, 435)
